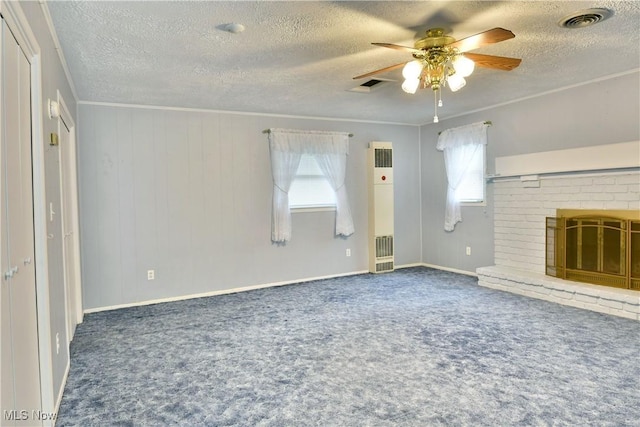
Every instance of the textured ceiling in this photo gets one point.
(298, 57)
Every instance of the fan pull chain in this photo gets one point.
(440, 98)
(435, 106)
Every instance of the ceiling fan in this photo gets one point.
(441, 60)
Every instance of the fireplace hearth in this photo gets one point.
(601, 247)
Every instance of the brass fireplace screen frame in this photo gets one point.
(598, 247)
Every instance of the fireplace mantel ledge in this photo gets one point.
(603, 299)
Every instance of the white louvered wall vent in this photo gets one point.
(380, 171)
(384, 246)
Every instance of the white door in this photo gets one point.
(7, 400)
(20, 359)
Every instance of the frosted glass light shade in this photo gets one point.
(463, 66)
(456, 82)
(412, 70)
(411, 85)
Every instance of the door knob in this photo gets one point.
(9, 274)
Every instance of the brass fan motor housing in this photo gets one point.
(434, 38)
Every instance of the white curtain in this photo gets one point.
(334, 167)
(459, 146)
(284, 165)
(330, 150)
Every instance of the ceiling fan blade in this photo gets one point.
(382, 70)
(396, 47)
(482, 39)
(496, 62)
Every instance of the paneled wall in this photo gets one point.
(188, 194)
(602, 112)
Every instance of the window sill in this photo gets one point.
(313, 209)
(481, 204)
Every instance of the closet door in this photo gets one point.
(19, 285)
(7, 401)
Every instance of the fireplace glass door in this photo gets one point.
(596, 245)
(598, 250)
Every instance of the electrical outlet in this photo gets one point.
(348, 252)
(151, 274)
(468, 250)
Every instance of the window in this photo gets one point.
(310, 188)
(464, 159)
(329, 151)
(471, 189)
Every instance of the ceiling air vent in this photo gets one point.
(368, 86)
(585, 18)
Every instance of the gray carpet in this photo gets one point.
(416, 347)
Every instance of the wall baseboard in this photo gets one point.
(453, 270)
(415, 264)
(220, 292)
(262, 286)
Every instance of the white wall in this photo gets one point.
(188, 194)
(602, 112)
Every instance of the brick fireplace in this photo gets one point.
(521, 206)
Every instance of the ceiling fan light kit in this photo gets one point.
(440, 60)
(410, 85)
(463, 65)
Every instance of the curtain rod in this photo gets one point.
(488, 123)
(269, 131)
